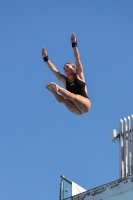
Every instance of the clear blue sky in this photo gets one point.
(39, 138)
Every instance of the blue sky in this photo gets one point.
(39, 138)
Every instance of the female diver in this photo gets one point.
(75, 96)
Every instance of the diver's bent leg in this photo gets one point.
(62, 91)
(70, 105)
(59, 97)
(82, 103)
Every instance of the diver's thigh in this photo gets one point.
(82, 103)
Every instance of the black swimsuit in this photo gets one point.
(77, 87)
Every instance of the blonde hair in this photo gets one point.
(70, 64)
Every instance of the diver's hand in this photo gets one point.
(44, 52)
(73, 38)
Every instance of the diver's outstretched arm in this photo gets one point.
(52, 67)
(79, 67)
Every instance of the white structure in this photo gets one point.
(121, 189)
(125, 136)
(69, 188)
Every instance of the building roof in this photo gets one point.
(121, 189)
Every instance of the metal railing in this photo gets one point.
(63, 189)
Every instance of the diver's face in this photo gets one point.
(68, 69)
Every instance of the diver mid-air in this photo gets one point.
(75, 96)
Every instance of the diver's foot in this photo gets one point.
(54, 86)
(50, 88)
